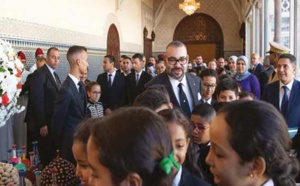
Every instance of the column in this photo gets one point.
(277, 21)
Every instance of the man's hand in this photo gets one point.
(44, 131)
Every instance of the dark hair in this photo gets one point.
(133, 140)
(160, 88)
(126, 57)
(225, 76)
(209, 72)
(51, 48)
(226, 84)
(83, 130)
(111, 58)
(263, 134)
(205, 111)
(291, 57)
(176, 116)
(218, 105)
(90, 85)
(75, 49)
(244, 94)
(123, 56)
(138, 56)
(151, 99)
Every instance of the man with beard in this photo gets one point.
(184, 89)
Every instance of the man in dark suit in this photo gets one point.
(264, 76)
(71, 102)
(112, 84)
(209, 79)
(135, 82)
(257, 67)
(184, 89)
(44, 86)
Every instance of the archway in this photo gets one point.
(202, 35)
(113, 44)
(148, 43)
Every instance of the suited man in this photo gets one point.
(264, 76)
(135, 82)
(275, 51)
(71, 102)
(44, 85)
(177, 80)
(112, 84)
(209, 79)
(257, 66)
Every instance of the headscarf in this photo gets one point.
(234, 58)
(246, 74)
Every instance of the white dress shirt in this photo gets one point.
(113, 75)
(281, 90)
(177, 178)
(75, 80)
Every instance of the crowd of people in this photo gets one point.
(168, 121)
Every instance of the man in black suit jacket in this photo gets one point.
(112, 85)
(176, 61)
(135, 82)
(209, 79)
(71, 102)
(44, 86)
(257, 66)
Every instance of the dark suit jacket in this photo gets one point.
(113, 97)
(134, 90)
(188, 179)
(258, 69)
(70, 110)
(271, 95)
(42, 95)
(264, 78)
(194, 83)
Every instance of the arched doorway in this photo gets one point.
(202, 35)
(148, 43)
(113, 44)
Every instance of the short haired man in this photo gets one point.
(160, 67)
(209, 79)
(212, 65)
(275, 51)
(221, 66)
(44, 86)
(257, 67)
(112, 84)
(136, 81)
(184, 89)
(200, 121)
(199, 64)
(227, 91)
(71, 102)
(127, 66)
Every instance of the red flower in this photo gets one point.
(5, 99)
(19, 86)
(18, 72)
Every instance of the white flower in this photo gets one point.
(8, 82)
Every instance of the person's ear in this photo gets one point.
(133, 179)
(258, 167)
(78, 61)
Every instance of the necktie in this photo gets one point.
(137, 79)
(109, 80)
(285, 101)
(81, 89)
(57, 79)
(184, 101)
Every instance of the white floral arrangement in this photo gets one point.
(10, 86)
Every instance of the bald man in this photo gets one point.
(71, 102)
(257, 67)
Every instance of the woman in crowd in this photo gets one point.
(248, 81)
(178, 127)
(131, 147)
(232, 65)
(80, 139)
(251, 149)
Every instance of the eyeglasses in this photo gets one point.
(207, 86)
(173, 60)
(199, 127)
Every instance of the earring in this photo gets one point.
(251, 175)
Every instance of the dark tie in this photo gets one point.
(57, 80)
(137, 79)
(285, 101)
(184, 101)
(82, 91)
(109, 80)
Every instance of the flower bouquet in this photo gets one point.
(10, 86)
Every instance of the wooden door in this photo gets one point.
(113, 44)
(207, 51)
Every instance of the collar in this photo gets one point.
(289, 85)
(51, 69)
(269, 183)
(177, 178)
(74, 79)
(112, 74)
(139, 73)
(176, 81)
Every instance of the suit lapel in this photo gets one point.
(50, 76)
(76, 94)
(193, 88)
(167, 83)
(295, 93)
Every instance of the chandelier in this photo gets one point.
(189, 6)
